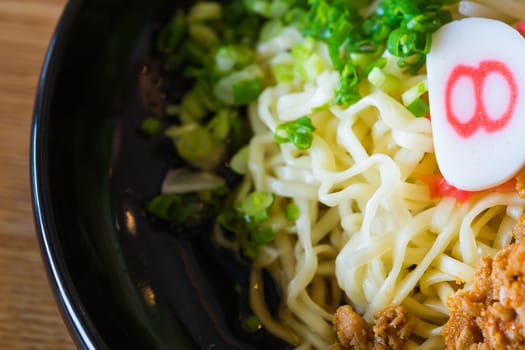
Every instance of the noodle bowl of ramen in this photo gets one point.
(373, 226)
(310, 123)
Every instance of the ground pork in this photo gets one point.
(489, 313)
(391, 329)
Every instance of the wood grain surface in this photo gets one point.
(29, 317)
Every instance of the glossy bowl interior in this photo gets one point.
(122, 281)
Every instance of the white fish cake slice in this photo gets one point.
(476, 79)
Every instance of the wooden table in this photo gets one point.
(29, 317)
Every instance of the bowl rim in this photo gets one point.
(80, 327)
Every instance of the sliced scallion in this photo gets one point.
(245, 91)
(175, 131)
(256, 202)
(299, 132)
(225, 59)
(251, 324)
(219, 125)
(239, 87)
(151, 126)
(165, 206)
(385, 81)
(192, 109)
(203, 35)
(347, 91)
(199, 148)
(413, 101)
(232, 56)
(179, 181)
(262, 236)
(292, 212)
(203, 11)
(270, 30)
(414, 92)
(239, 162)
(419, 107)
(311, 68)
(283, 71)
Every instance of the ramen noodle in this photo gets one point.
(369, 232)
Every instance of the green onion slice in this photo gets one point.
(299, 132)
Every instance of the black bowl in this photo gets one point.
(121, 281)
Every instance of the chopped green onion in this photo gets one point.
(303, 50)
(260, 7)
(337, 24)
(199, 148)
(232, 221)
(210, 196)
(204, 92)
(165, 206)
(278, 8)
(347, 92)
(184, 180)
(177, 208)
(292, 212)
(294, 15)
(239, 162)
(241, 24)
(322, 107)
(219, 126)
(411, 36)
(256, 202)
(251, 324)
(405, 43)
(362, 60)
(192, 109)
(225, 59)
(379, 63)
(385, 81)
(419, 107)
(203, 35)
(299, 132)
(260, 216)
(231, 56)
(377, 77)
(250, 222)
(240, 87)
(428, 21)
(270, 30)
(203, 11)
(151, 126)
(412, 99)
(311, 68)
(414, 92)
(308, 63)
(404, 27)
(245, 91)
(262, 236)
(265, 8)
(283, 71)
(175, 131)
